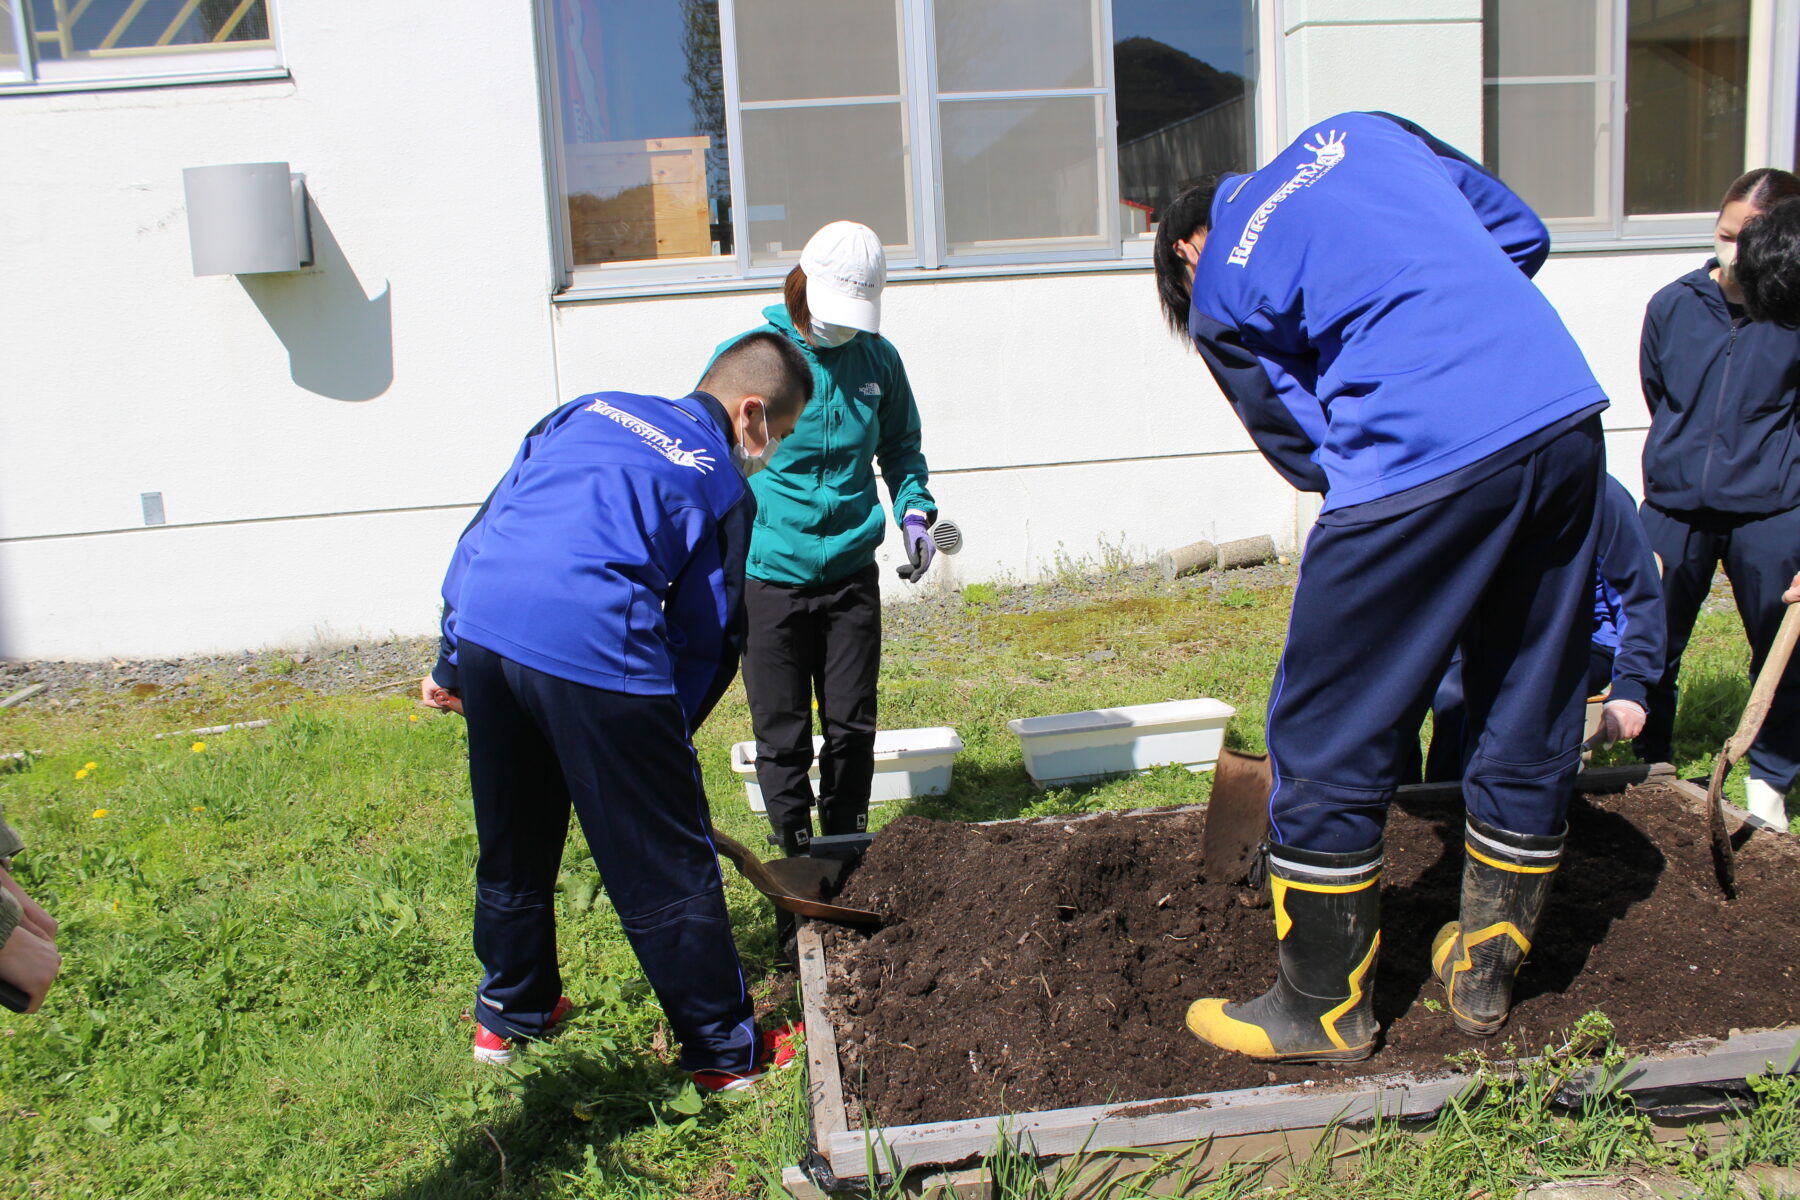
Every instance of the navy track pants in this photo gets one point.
(1760, 555)
(539, 745)
(1506, 567)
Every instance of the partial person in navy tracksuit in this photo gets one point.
(1722, 476)
(1365, 302)
(1625, 656)
(593, 615)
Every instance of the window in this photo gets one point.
(61, 43)
(1612, 116)
(710, 138)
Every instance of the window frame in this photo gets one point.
(137, 67)
(922, 106)
(1771, 75)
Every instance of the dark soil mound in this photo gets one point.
(1050, 964)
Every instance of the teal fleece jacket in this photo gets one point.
(818, 515)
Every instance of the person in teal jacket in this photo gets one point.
(812, 598)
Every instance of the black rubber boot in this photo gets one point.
(834, 821)
(1506, 884)
(1328, 930)
(794, 842)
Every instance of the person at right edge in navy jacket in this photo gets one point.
(1722, 477)
(593, 616)
(1365, 303)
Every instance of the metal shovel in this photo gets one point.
(1237, 816)
(1767, 680)
(798, 885)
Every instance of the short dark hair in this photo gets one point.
(1185, 215)
(762, 364)
(1762, 188)
(1768, 264)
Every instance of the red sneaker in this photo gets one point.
(776, 1049)
(495, 1050)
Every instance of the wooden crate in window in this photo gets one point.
(638, 200)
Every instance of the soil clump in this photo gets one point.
(1049, 964)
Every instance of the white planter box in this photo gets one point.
(1076, 747)
(908, 763)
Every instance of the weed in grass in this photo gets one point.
(980, 595)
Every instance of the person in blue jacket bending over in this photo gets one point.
(1365, 302)
(1625, 655)
(593, 615)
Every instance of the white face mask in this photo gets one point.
(828, 337)
(1726, 252)
(749, 464)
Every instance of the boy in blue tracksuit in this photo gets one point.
(592, 618)
(1365, 303)
(1626, 651)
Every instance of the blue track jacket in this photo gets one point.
(1628, 603)
(1724, 397)
(612, 552)
(1365, 302)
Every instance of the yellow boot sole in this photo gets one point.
(1207, 1020)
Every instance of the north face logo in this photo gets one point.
(870, 389)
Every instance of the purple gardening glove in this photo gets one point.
(920, 549)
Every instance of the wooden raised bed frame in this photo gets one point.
(1232, 1124)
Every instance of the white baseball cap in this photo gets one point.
(845, 269)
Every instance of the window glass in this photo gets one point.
(1687, 68)
(1548, 142)
(1544, 37)
(1022, 173)
(642, 107)
(1017, 45)
(9, 45)
(814, 49)
(1183, 76)
(805, 167)
(825, 123)
(66, 29)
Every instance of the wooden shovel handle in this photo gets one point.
(1767, 680)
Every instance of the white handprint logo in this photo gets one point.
(1328, 150)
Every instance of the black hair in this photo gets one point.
(1762, 188)
(762, 364)
(1186, 214)
(1768, 264)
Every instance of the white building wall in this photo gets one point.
(395, 374)
(1419, 59)
(319, 438)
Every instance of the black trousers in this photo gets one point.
(1760, 555)
(539, 744)
(804, 642)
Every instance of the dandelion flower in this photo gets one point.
(197, 747)
(118, 905)
(91, 767)
(82, 774)
(100, 813)
(412, 716)
(199, 808)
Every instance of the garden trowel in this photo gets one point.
(798, 885)
(1761, 696)
(1237, 816)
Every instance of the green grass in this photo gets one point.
(267, 938)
